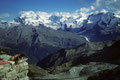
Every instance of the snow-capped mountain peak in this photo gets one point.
(54, 20)
(5, 24)
(103, 20)
(64, 20)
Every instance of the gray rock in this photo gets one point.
(17, 71)
(36, 42)
(81, 72)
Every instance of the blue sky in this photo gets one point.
(13, 7)
(9, 9)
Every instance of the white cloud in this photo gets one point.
(97, 3)
(84, 9)
(111, 5)
(43, 13)
(108, 5)
(36, 18)
(53, 19)
(117, 14)
(104, 11)
(4, 15)
(84, 12)
(92, 7)
(98, 6)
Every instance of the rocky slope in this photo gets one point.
(35, 71)
(90, 61)
(36, 42)
(101, 27)
(86, 61)
(96, 27)
(81, 72)
(112, 74)
(80, 53)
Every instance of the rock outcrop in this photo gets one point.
(101, 27)
(113, 74)
(36, 42)
(89, 61)
(77, 55)
(81, 72)
(13, 70)
(35, 71)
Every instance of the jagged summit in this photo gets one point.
(59, 21)
(101, 27)
(53, 20)
(101, 19)
(97, 27)
(36, 42)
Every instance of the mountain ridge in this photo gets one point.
(36, 42)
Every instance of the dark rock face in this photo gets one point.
(102, 34)
(104, 27)
(90, 69)
(98, 27)
(88, 61)
(113, 74)
(35, 71)
(81, 72)
(77, 55)
(88, 52)
(36, 42)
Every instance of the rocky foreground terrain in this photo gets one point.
(36, 42)
(89, 61)
(12, 70)
(87, 52)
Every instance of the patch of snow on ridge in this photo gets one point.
(57, 19)
(63, 20)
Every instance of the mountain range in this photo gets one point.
(88, 61)
(65, 20)
(36, 42)
(65, 46)
(31, 31)
(96, 27)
